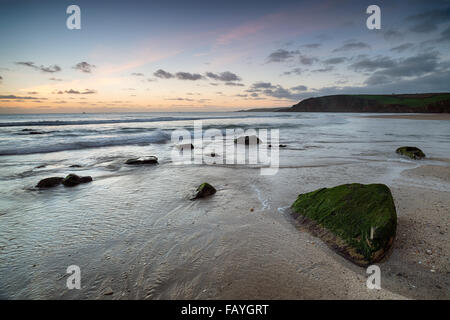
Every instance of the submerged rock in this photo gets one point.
(247, 140)
(358, 221)
(143, 160)
(185, 146)
(72, 180)
(49, 182)
(412, 152)
(204, 190)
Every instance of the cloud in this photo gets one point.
(415, 66)
(403, 47)
(369, 64)
(234, 84)
(312, 45)
(163, 74)
(49, 69)
(14, 97)
(326, 69)
(299, 88)
(445, 35)
(353, 45)
(296, 71)
(336, 60)
(262, 85)
(84, 67)
(55, 79)
(305, 60)
(226, 76)
(428, 21)
(86, 91)
(188, 76)
(393, 35)
(281, 55)
(137, 74)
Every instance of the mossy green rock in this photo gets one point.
(49, 182)
(358, 221)
(204, 190)
(412, 152)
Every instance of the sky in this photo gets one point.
(196, 55)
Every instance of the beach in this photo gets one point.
(135, 234)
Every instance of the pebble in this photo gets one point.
(108, 291)
(429, 252)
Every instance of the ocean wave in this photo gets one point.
(157, 136)
(112, 121)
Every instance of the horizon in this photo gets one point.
(173, 56)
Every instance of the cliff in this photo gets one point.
(402, 103)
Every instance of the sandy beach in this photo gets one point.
(413, 116)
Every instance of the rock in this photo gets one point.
(72, 180)
(247, 140)
(49, 182)
(108, 291)
(358, 221)
(35, 132)
(412, 152)
(213, 154)
(204, 190)
(143, 160)
(185, 146)
(429, 252)
(75, 166)
(282, 146)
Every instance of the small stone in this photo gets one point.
(108, 291)
(429, 252)
(248, 140)
(432, 270)
(142, 160)
(204, 190)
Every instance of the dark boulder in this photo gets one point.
(73, 180)
(412, 152)
(204, 190)
(49, 182)
(143, 160)
(248, 140)
(358, 221)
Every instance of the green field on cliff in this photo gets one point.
(411, 100)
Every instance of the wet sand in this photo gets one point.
(241, 244)
(413, 116)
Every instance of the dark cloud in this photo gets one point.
(299, 88)
(428, 21)
(393, 35)
(312, 45)
(296, 71)
(305, 60)
(84, 67)
(336, 60)
(163, 74)
(372, 64)
(86, 91)
(403, 47)
(415, 66)
(226, 76)
(137, 74)
(262, 85)
(353, 45)
(234, 84)
(49, 69)
(445, 35)
(326, 69)
(281, 55)
(14, 97)
(188, 76)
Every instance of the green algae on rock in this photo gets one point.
(412, 152)
(204, 190)
(358, 221)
